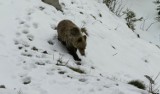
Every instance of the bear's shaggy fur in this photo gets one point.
(71, 36)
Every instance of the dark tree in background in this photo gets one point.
(157, 2)
(131, 19)
(115, 6)
(54, 3)
(158, 8)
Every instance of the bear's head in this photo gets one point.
(79, 41)
(81, 44)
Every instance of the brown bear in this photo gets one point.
(71, 36)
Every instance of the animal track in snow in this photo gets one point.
(51, 42)
(21, 44)
(35, 25)
(40, 63)
(24, 43)
(30, 37)
(18, 34)
(41, 8)
(16, 42)
(22, 22)
(26, 80)
(34, 48)
(26, 25)
(25, 31)
(26, 54)
(53, 27)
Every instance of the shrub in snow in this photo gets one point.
(157, 1)
(111, 4)
(54, 3)
(115, 6)
(2, 86)
(60, 61)
(153, 89)
(131, 19)
(138, 84)
(158, 9)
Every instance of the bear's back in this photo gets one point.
(65, 25)
(67, 29)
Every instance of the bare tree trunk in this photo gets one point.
(54, 3)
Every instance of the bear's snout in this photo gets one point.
(82, 52)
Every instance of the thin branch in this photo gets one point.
(151, 25)
(157, 76)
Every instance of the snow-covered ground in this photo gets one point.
(31, 55)
(148, 28)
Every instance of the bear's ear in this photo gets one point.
(74, 31)
(85, 37)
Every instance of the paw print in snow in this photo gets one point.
(25, 31)
(26, 80)
(35, 25)
(30, 37)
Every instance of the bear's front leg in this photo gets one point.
(73, 51)
(63, 42)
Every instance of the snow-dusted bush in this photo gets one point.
(54, 3)
(158, 17)
(115, 6)
(157, 2)
(153, 89)
(138, 84)
(131, 19)
(2, 86)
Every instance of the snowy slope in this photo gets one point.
(30, 50)
(148, 28)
